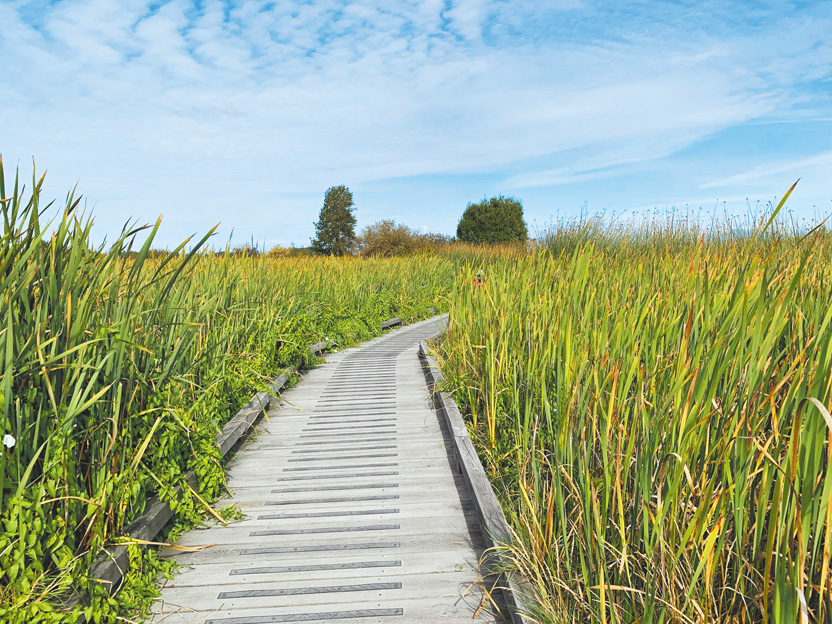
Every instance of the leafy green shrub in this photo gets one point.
(387, 238)
(279, 252)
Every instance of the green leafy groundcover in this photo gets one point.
(118, 369)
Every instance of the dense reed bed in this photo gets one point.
(652, 406)
(120, 366)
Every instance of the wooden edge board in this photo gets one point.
(391, 322)
(112, 564)
(109, 569)
(240, 424)
(495, 529)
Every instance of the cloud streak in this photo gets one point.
(226, 105)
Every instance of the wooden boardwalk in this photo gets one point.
(353, 510)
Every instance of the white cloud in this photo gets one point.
(155, 106)
(822, 162)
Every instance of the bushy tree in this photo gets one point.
(495, 220)
(335, 228)
(279, 252)
(388, 238)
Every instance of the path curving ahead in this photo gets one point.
(353, 510)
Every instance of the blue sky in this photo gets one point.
(245, 112)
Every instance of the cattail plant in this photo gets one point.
(653, 407)
(119, 365)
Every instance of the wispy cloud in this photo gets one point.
(170, 106)
(766, 171)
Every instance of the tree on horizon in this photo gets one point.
(495, 220)
(335, 227)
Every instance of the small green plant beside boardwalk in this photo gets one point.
(119, 369)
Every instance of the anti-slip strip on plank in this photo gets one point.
(363, 399)
(303, 591)
(356, 366)
(367, 395)
(375, 387)
(351, 409)
(327, 437)
(378, 381)
(341, 457)
(356, 387)
(362, 419)
(363, 371)
(359, 377)
(349, 428)
(333, 488)
(358, 384)
(307, 617)
(358, 371)
(316, 567)
(288, 550)
(349, 448)
(344, 389)
(358, 475)
(318, 436)
(321, 530)
(386, 396)
(355, 415)
(372, 359)
(370, 411)
(354, 405)
(338, 376)
(376, 358)
(350, 441)
(357, 398)
(360, 409)
(379, 358)
(319, 422)
(326, 425)
(353, 387)
(368, 381)
(384, 465)
(346, 499)
(326, 514)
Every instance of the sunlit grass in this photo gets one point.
(652, 406)
(117, 371)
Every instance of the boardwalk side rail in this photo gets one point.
(493, 523)
(113, 563)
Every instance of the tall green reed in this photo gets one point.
(654, 410)
(119, 367)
